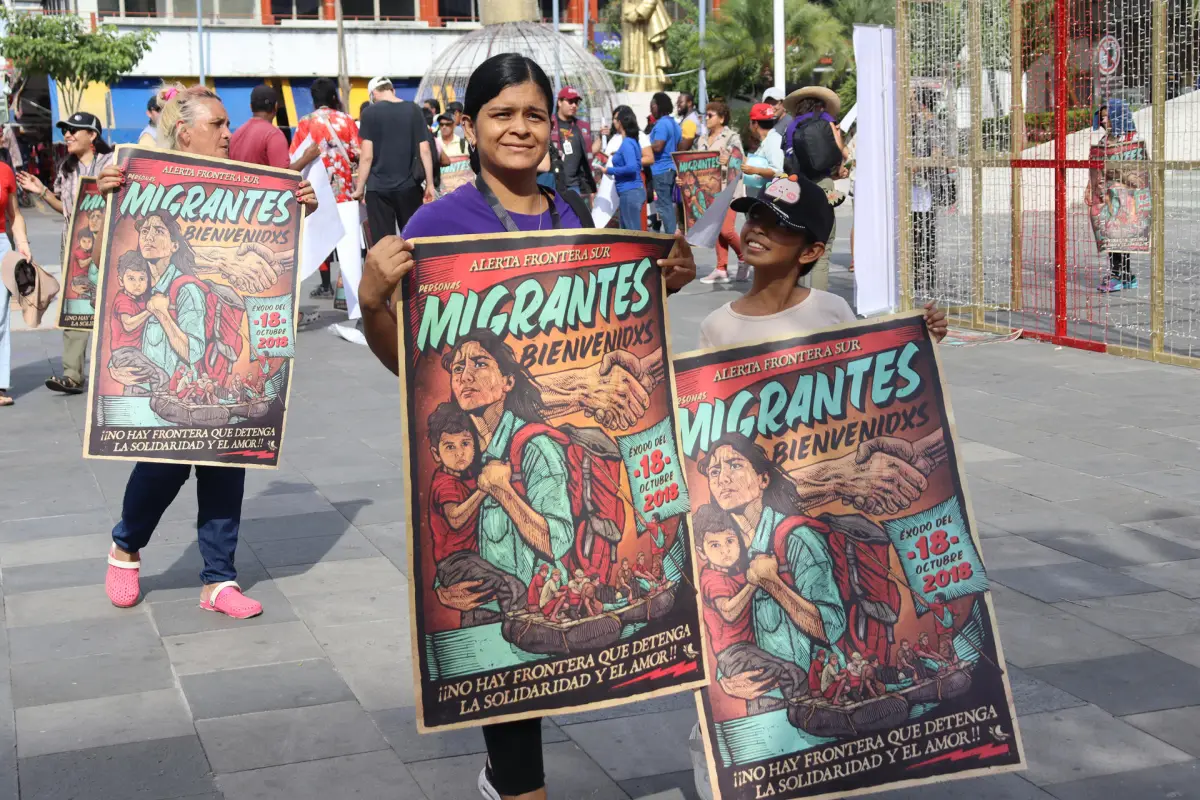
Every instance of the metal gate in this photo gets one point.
(996, 99)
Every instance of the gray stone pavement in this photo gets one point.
(1084, 473)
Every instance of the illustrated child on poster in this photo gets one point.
(129, 308)
(453, 494)
(84, 260)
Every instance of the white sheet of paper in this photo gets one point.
(604, 207)
(350, 255)
(323, 228)
(706, 230)
(301, 149)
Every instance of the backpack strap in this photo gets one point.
(185, 280)
(576, 204)
(516, 448)
(780, 536)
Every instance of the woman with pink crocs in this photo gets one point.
(193, 121)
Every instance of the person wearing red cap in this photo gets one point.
(573, 140)
(765, 147)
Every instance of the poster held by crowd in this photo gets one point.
(1120, 201)
(853, 638)
(195, 341)
(700, 176)
(81, 258)
(457, 173)
(550, 564)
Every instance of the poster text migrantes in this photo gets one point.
(852, 638)
(551, 568)
(195, 336)
(82, 246)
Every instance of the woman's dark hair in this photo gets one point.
(752, 137)
(524, 399)
(662, 105)
(428, 116)
(628, 122)
(184, 258)
(71, 162)
(781, 494)
(719, 108)
(494, 76)
(325, 94)
(809, 105)
(433, 104)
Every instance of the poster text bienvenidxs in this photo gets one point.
(550, 562)
(195, 336)
(853, 642)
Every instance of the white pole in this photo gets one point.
(780, 49)
(200, 35)
(702, 90)
(557, 33)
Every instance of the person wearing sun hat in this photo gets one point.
(804, 105)
(87, 155)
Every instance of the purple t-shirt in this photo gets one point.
(464, 211)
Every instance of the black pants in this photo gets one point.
(389, 212)
(1119, 268)
(924, 251)
(515, 755)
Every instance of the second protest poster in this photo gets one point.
(196, 305)
(81, 258)
(853, 642)
(700, 177)
(551, 569)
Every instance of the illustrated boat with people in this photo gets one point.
(820, 717)
(537, 633)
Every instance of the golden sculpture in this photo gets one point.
(644, 25)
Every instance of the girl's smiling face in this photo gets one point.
(769, 245)
(512, 130)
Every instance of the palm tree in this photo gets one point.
(739, 45)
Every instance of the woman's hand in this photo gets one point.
(746, 685)
(679, 267)
(461, 596)
(30, 183)
(306, 196)
(495, 476)
(387, 264)
(723, 159)
(23, 249)
(110, 179)
(935, 321)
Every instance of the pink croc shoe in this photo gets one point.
(227, 598)
(121, 583)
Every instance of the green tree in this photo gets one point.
(58, 45)
(739, 45)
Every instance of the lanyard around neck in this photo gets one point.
(502, 213)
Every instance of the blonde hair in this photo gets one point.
(179, 104)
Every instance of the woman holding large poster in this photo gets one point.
(168, 328)
(1119, 200)
(507, 116)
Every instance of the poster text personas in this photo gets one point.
(81, 258)
(550, 566)
(1119, 199)
(700, 177)
(852, 635)
(195, 340)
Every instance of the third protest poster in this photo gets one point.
(700, 178)
(852, 636)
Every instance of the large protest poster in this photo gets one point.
(195, 340)
(1120, 199)
(81, 258)
(456, 174)
(699, 175)
(853, 638)
(550, 566)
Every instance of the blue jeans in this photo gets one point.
(152, 488)
(664, 202)
(631, 202)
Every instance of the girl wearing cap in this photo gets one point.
(724, 140)
(507, 116)
(194, 120)
(11, 221)
(87, 155)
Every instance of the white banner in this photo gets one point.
(876, 246)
